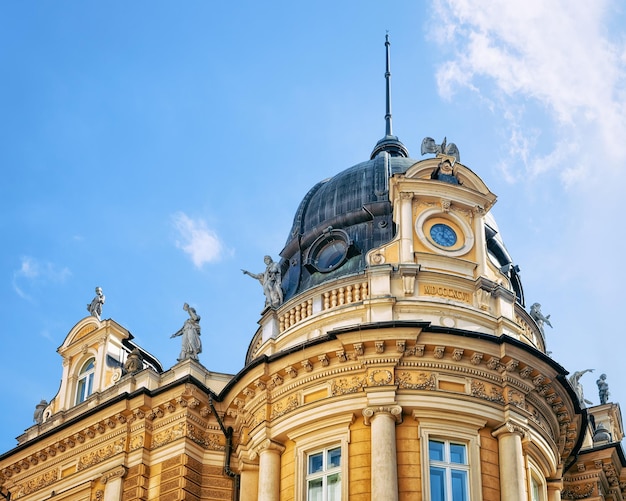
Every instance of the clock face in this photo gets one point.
(443, 235)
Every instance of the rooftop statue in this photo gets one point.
(603, 389)
(574, 380)
(190, 332)
(538, 317)
(271, 280)
(39, 408)
(429, 146)
(134, 362)
(95, 307)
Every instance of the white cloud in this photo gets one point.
(199, 242)
(559, 55)
(33, 271)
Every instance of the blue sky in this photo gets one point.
(156, 148)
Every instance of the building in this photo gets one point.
(395, 360)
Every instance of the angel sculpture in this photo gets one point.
(429, 146)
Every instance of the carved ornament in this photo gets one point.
(380, 377)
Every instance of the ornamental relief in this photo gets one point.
(284, 406)
(100, 455)
(380, 377)
(578, 491)
(488, 392)
(344, 386)
(35, 484)
(207, 440)
(169, 435)
(416, 380)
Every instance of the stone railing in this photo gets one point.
(340, 296)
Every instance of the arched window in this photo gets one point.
(85, 381)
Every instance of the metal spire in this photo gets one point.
(388, 130)
(390, 143)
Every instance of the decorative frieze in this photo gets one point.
(97, 456)
(380, 377)
(344, 386)
(489, 393)
(416, 381)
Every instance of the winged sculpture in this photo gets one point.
(430, 146)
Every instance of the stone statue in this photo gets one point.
(603, 389)
(39, 408)
(271, 280)
(451, 150)
(538, 317)
(190, 331)
(134, 362)
(95, 307)
(574, 380)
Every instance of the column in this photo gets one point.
(249, 482)
(554, 489)
(112, 481)
(406, 227)
(269, 470)
(384, 462)
(511, 457)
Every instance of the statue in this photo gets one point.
(574, 380)
(429, 146)
(271, 280)
(134, 362)
(95, 307)
(603, 389)
(190, 331)
(39, 408)
(538, 317)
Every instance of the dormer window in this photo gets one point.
(85, 381)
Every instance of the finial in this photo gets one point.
(390, 143)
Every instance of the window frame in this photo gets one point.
(448, 466)
(82, 393)
(465, 431)
(326, 471)
(534, 473)
(314, 437)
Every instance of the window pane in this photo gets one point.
(459, 485)
(457, 454)
(334, 487)
(315, 490)
(437, 484)
(334, 458)
(435, 450)
(316, 462)
(80, 393)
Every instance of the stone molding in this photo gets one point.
(510, 427)
(117, 472)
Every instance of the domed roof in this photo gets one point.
(340, 220)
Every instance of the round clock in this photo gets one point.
(443, 235)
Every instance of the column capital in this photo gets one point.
(510, 427)
(117, 472)
(395, 411)
(269, 445)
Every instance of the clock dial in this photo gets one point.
(443, 235)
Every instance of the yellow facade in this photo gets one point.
(429, 346)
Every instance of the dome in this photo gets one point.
(339, 221)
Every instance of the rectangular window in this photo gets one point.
(324, 475)
(449, 470)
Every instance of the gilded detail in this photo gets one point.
(446, 292)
